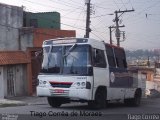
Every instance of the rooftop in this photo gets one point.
(13, 57)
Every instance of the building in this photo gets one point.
(145, 75)
(148, 72)
(13, 63)
(42, 20)
(156, 82)
(13, 74)
(10, 22)
(34, 37)
(21, 36)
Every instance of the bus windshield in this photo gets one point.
(71, 59)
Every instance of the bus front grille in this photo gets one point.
(61, 84)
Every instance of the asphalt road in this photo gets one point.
(149, 110)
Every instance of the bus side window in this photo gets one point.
(110, 56)
(120, 58)
(99, 58)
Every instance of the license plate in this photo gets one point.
(59, 91)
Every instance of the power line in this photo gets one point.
(31, 31)
(145, 9)
(28, 10)
(72, 11)
(131, 3)
(123, 4)
(66, 4)
(97, 36)
(102, 7)
(64, 16)
(61, 23)
(95, 29)
(45, 18)
(116, 4)
(75, 2)
(153, 5)
(102, 15)
(37, 3)
(77, 18)
(64, 24)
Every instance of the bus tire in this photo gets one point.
(54, 102)
(100, 100)
(134, 101)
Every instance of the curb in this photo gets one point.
(11, 103)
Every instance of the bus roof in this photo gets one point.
(68, 40)
(113, 46)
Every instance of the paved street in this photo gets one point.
(38, 108)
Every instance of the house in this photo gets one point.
(13, 73)
(156, 82)
(21, 36)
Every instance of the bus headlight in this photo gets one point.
(42, 83)
(79, 85)
(83, 84)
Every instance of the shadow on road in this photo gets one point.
(84, 106)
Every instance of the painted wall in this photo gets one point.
(41, 34)
(42, 20)
(26, 38)
(11, 19)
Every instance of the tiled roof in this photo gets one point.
(13, 57)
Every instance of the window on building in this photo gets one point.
(99, 58)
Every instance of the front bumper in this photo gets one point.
(72, 93)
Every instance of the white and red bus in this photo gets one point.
(86, 70)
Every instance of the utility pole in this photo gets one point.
(117, 28)
(88, 30)
(110, 31)
(117, 24)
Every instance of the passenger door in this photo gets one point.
(100, 70)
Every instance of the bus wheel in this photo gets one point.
(54, 102)
(100, 100)
(134, 101)
(137, 98)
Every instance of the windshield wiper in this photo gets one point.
(49, 56)
(70, 49)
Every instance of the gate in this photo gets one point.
(1, 83)
(10, 81)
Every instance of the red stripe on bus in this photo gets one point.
(67, 83)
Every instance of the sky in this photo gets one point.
(142, 27)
